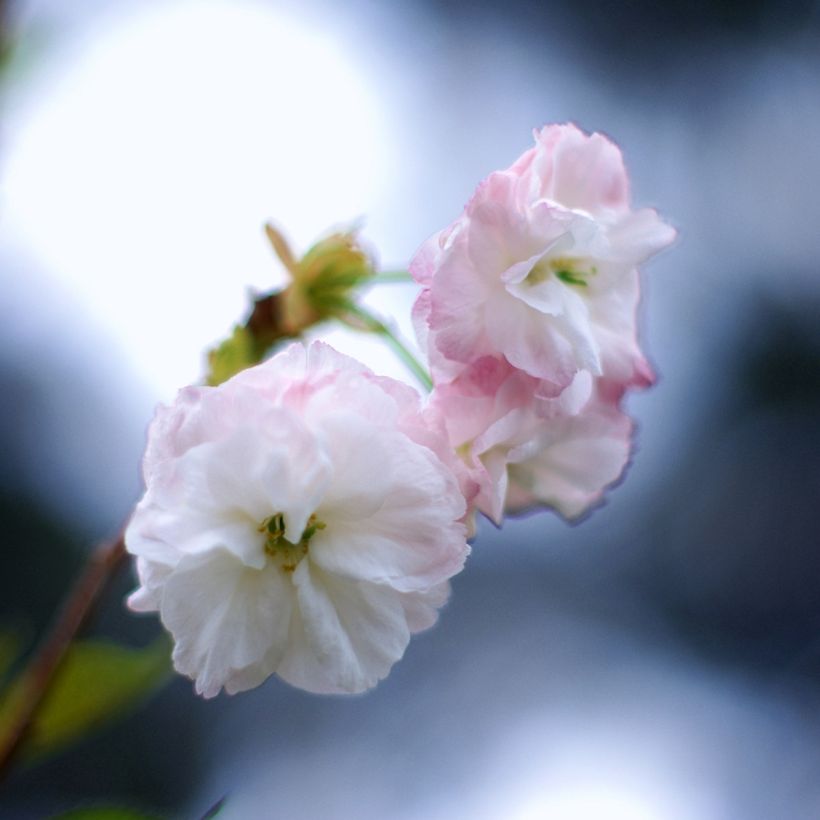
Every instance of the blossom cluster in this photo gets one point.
(304, 518)
(528, 316)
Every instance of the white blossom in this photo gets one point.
(297, 520)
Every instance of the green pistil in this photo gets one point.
(287, 553)
(571, 278)
(564, 268)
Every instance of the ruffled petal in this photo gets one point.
(230, 622)
(576, 460)
(355, 631)
(392, 513)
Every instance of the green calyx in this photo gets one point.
(323, 283)
(324, 280)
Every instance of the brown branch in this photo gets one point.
(45, 662)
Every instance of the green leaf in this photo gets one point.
(9, 651)
(104, 813)
(97, 682)
(236, 353)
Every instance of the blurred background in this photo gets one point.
(661, 661)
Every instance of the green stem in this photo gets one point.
(389, 277)
(375, 325)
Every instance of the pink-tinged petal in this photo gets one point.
(576, 460)
(570, 402)
(496, 239)
(386, 403)
(422, 308)
(485, 376)
(400, 530)
(482, 393)
(553, 352)
(295, 374)
(425, 260)
(614, 319)
(356, 631)
(456, 307)
(493, 480)
(459, 337)
(459, 284)
(499, 187)
(580, 171)
(227, 620)
(163, 434)
(490, 452)
(199, 414)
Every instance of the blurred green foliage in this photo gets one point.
(97, 682)
(104, 813)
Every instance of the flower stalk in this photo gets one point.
(390, 277)
(39, 674)
(374, 324)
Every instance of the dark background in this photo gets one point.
(662, 659)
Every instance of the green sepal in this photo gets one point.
(236, 353)
(331, 270)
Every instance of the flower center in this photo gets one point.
(565, 268)
(287, 553)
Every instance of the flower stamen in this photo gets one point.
(287, 553)
(564, 268)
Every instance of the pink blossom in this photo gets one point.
(541, 268)
(522, 447)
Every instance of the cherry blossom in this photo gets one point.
(520, 447)
(541, 268)
(297, 520)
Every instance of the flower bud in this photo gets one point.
(325, 278)
(322, 287)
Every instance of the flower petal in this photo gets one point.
(577, 458)
(579, 170)
(230, 622)
(356, 631)
(402, 528)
